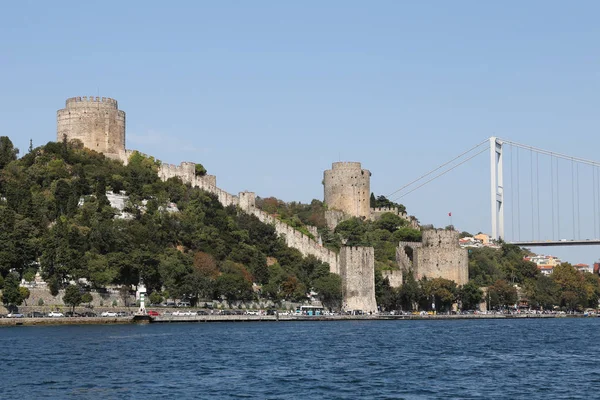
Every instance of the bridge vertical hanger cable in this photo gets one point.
(573, 193)
(558, 197)
(578, 202)
(597, 212)
(512, 197)
(594, 200)
(531, 192)
(552, 193)
(537, 176)
(518, 197)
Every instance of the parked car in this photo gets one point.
(15, 315)
(109, 314)
(89, 314)
(72, 314)
(36, 314)
(55, 314)
(184, 313)
(121, 314)
(153, 313)
(184, 304)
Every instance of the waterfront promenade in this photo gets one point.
(4, 322)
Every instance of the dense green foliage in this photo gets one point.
(73, 296)
(55, 216)
(383, 202)
(502, 269)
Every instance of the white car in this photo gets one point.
(109, 314)
(55, 314)
(184, 313)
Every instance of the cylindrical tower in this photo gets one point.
(348, 188)
(97, 122)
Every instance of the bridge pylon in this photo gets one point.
(497, 188)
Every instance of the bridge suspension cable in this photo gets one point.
(438, 175)
(436, 169)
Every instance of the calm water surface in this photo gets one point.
(500, 359)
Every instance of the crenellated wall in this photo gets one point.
(376, 213)
(358, 278)
(438, 256)
(96, 121)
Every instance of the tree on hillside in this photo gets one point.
(542, 292)
(11, 295)
(502, 294)
(25, 293)
(470, 296)
(410, 291)
(329, 288)
(72, 296)
(442, 291)
(8, 152)
(572, 288)
(87, 298)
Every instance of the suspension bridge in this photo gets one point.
(548, 194)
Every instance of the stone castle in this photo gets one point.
(100, 126)
(347, 190)
(438, 255)
(96, 122)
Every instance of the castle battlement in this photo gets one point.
(393, 210)
(84, 101)
(346, 165)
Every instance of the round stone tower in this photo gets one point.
(348, 188)
(97, 122)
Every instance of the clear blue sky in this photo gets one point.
(267, 94)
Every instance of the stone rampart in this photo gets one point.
(299, 241)
(100, 299)
(358, 278)
(334, 217)
(394, 277)
(440, 256)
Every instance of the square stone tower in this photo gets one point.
(357, 269)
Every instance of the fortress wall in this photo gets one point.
(186, 171)
(299, 241)
(358, 278)
(334, 217)
(394, 277)
(247, 200)
(96, 122)
(348, 188)
(440, 256)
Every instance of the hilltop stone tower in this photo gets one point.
(97, 122)
(439, 255)
(357, 269)
(348, 188)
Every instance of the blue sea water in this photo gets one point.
(467, 359)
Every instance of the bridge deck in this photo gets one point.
(587, 242)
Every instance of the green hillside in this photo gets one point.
(55, 217)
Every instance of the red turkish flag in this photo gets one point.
(449, 214)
